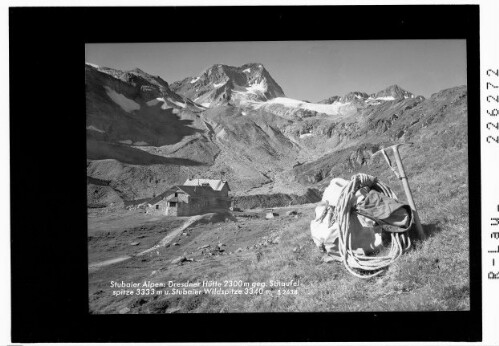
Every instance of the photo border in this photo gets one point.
(49, 258)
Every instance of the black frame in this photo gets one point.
(49, 253)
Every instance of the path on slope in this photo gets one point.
(163, 242)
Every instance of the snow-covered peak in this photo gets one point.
(393, 92)
(257, 87)
(223, 84)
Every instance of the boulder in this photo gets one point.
(124, 311)
(179, 260)
(326, 258)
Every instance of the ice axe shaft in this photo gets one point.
(407, 189)
(408, 192)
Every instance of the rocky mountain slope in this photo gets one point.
(435, 125)
(144, 135)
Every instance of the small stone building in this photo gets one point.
(196, 196)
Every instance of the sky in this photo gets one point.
(305, 70)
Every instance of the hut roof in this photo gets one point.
(160, 197)
(198, 191)
(216, 184)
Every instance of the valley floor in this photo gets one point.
(250, 252)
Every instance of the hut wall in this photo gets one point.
(225, 190)
(190, 205)
(157, 208)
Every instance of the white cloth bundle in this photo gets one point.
(366, 235)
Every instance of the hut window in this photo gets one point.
(173, 204)
(157, 206)
(176, 194)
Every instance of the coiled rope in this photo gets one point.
(360, 265)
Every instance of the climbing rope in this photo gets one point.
(360, 265)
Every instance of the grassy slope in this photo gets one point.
(434, 276)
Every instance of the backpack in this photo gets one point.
(371, 210)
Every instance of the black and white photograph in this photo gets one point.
(277, 176)
(277, 172)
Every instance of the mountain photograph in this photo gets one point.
(211, 172)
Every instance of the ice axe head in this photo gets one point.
(394, 147)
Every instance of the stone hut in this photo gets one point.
(196, 196)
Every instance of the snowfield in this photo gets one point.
(122, 101)
(218, 85)
(180, 104)
(155, 101)
(257, 87)
(126, 141)
(165, 105)
(386, 98)
(332, 109)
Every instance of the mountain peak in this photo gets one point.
(92, 65)
(394, 87)
(137, 70)
(354, 96)
(395, 92)
(253, 65)
(223, 84)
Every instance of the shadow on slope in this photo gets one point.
(98, 150)
(150, 123)
(276, 200)
(430, 230)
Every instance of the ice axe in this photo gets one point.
(402, 176)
